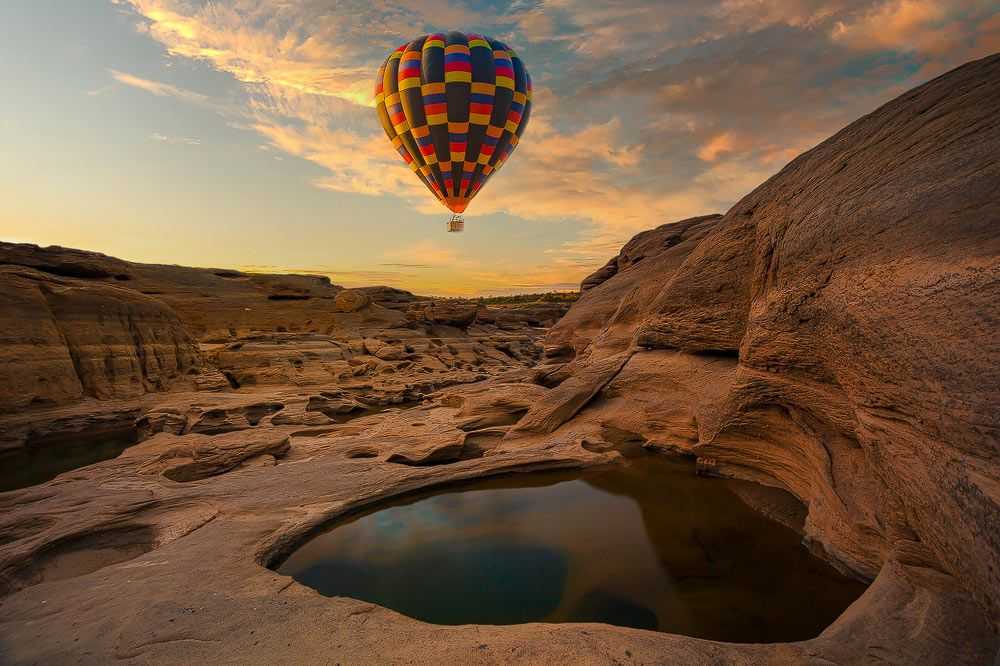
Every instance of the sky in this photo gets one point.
(241, 133)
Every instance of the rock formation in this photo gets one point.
(831, 338)
(64, 339)
(847, 331)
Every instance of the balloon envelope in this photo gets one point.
(454, 106)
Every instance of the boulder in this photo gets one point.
(351, 300)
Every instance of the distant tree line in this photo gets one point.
(516, 299)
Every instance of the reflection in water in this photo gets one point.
(646, 544)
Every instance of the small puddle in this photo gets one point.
(645, 544)
(37, 463)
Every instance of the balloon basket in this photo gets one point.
(456, 224)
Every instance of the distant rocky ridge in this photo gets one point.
(831, 338)
(78, 325)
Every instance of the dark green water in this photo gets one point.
(646, 544)
(31, 465)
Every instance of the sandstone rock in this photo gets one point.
(372, 345)
(494, 405)
(238, 417)
(849, 302)
(608, 312)
(601, 275)
(459, 314)
(196, 457)
(65, 262)
(161, 420)
(281, 359)
(334, 403)
(389, 297)
(561, 403)
(351, 300)
(64, 339)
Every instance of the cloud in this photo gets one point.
(644, 112)
(177, 140)
(717, 145)
(159, 89)
(906, 25)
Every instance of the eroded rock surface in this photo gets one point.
(64, 339)
(831, 338)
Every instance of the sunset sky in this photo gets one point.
(240, 133)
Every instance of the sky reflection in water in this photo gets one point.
(645, 545)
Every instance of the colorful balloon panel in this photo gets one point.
(454, 107)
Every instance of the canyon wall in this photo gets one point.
(65, 339)
(834, 335)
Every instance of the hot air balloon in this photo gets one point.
(454, 106)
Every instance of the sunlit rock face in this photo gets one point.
(834, 334)
(66, 339)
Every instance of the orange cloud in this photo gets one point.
(906, 25)
(716, 146)
(304, 58)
